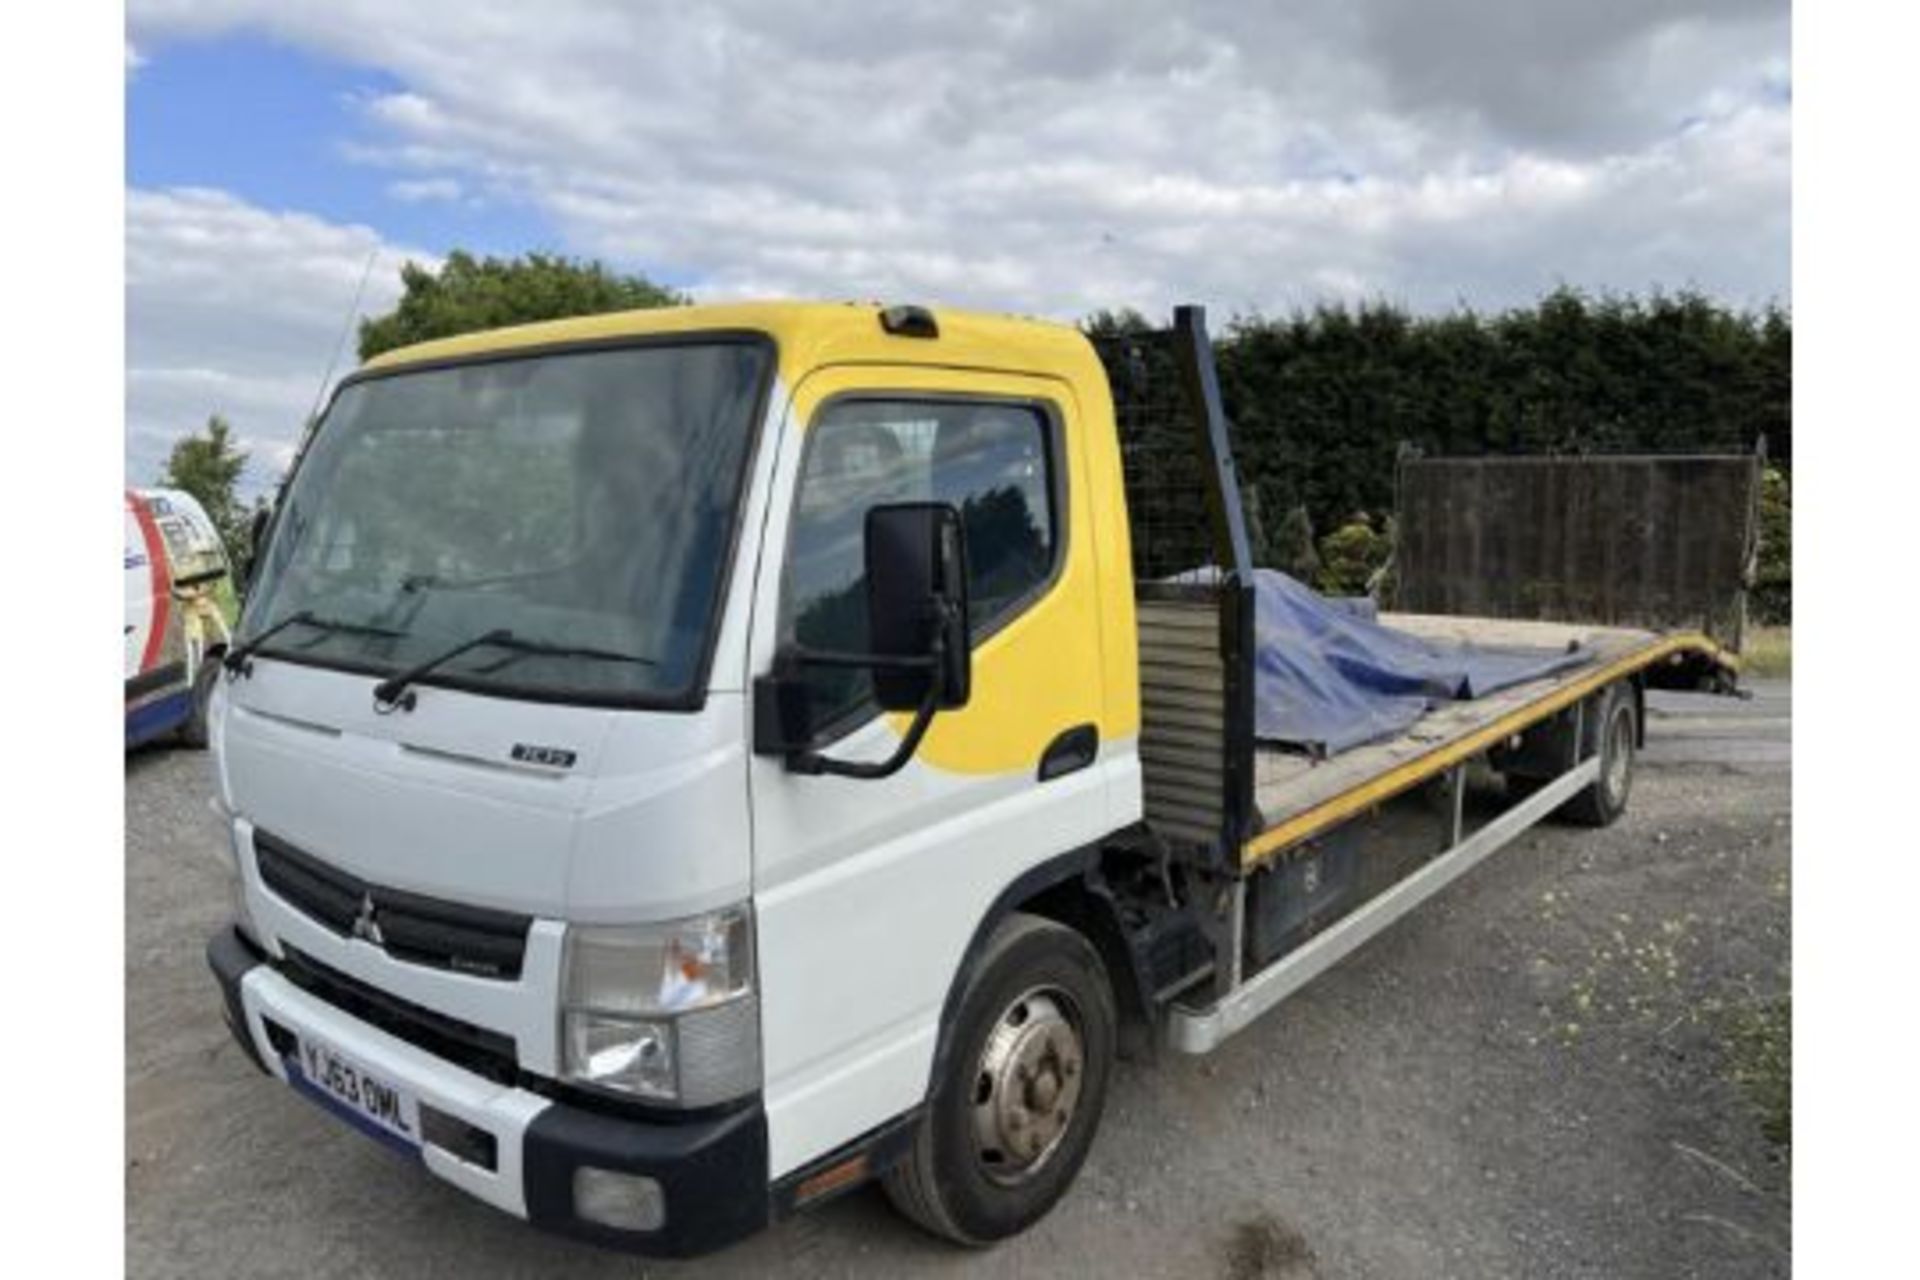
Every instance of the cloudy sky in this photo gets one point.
(1042, 156)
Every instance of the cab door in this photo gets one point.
(867, 892)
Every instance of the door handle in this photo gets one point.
(1070, 751)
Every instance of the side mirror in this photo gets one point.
(919, 649)
(917, 606)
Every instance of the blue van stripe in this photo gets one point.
(155, 718)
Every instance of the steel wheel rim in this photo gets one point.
(1026, 1086)
(1618, 765)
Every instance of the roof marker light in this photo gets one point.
(909, 322)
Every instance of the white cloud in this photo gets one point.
(1054, 157)
(236, 310)
(426, 190)
(1046, 158)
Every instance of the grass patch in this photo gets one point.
(1760, 1049)
(1768, 652)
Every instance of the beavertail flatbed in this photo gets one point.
(1305, 855)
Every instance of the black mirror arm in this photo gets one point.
(814, 765)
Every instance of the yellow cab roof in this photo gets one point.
(807, 334)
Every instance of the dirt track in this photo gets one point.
(1528, 1077)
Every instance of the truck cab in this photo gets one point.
(583, 849)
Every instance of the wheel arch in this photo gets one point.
(1070, 890)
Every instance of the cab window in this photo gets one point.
(994, 461)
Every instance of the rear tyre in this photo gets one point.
(1013, 1115)
(193, 730)
(1617, 737)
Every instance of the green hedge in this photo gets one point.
(1772, 599)
(1322, 400)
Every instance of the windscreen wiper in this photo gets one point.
(239, 659)
(394, 692)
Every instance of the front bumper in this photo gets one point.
(712, 1171)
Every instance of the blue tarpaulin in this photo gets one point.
(1328, 677)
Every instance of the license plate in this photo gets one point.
(343, 1084)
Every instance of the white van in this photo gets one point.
(179, 614)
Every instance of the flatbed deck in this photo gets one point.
(1297, 796)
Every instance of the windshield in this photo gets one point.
(584, 502)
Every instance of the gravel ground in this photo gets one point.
(1530, 1076)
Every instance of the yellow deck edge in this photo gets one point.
(1330, 812)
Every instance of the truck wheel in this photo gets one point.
(1012, 1118)
(1618, 733)
(193, 730)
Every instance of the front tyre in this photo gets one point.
(1013, 1115)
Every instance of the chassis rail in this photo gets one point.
(1201, 1029)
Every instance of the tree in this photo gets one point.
(468, 294)
(1350, 556)
(208, 465)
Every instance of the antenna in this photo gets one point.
(346, 327)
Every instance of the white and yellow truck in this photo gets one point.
(681, 765)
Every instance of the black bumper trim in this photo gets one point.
(713, 1173)
(230, 956)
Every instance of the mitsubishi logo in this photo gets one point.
(365, 926)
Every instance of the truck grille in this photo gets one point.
(408, 926)
(483, 1052)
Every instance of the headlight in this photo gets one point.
(665, 1011)
(619, 1053)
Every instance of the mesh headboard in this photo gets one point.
(1193, 586)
